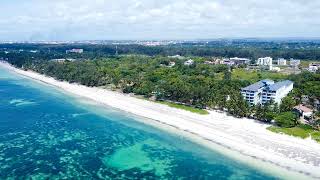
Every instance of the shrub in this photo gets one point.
(286, 119)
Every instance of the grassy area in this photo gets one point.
(184, 107)
(316, 136)
(301, 131)
(254, 76)
(305, 64)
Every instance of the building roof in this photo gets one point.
(239, 59)
(279, 85)
(314, 64)
(303, 108)
(258, 85)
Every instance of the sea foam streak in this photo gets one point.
(21, 102)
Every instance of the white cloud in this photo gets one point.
(154, 19)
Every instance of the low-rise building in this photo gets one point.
(314, 67)
(176, 57)
(303, 111)
(171, 64)
(189, 62)
(235, 61)
(218, 61)
(209, 62)
(265, 91)
(282, 62)
(58, 60)
(227, 62)
(62, 60)
(80, 51)
(275, 69)
(295, 62)
(240, 61)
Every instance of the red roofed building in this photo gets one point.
(303, 111)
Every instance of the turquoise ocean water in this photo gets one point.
(46, 134)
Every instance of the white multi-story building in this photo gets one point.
(294, 62)
(282, 62)
(253, 92)
(266, 61)
(276, 92)
(266, 90)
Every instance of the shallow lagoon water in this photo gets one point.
(45, 133)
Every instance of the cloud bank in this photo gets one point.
(155, 19)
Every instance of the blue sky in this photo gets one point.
(157, 19)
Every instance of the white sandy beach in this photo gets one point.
(246, 136)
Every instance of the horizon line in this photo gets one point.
(195, 39)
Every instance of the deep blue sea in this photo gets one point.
(46, 134)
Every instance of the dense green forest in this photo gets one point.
(304, 50)
(198, 85)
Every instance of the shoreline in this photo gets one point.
(243, 136)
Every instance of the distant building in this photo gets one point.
(227, 62)
(265, 91)
(276, 69)
(218, 61)
(266, 61)
(209, 62)
(189, 62)
(62, 60)
(314, 67)
(282, 62)
(58, 60)
(176, 57)
(294, 62)
(80, 51)
(240, 61)
(235, 61)
(171, 64)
